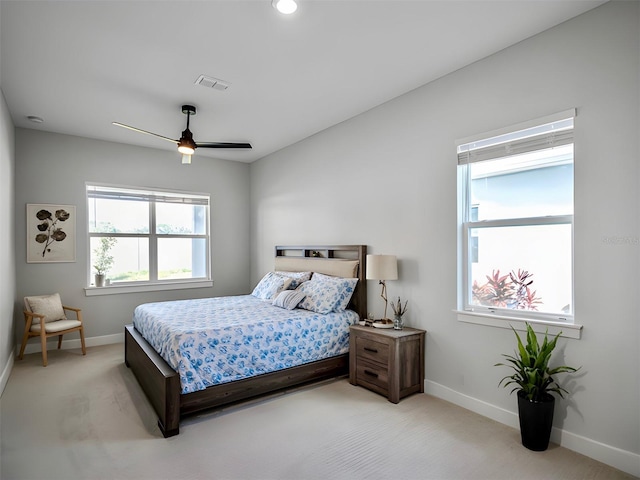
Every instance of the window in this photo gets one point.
(515, 194)
(147, 237)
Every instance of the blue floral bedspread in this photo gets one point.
(210, 341)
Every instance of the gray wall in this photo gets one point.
(53, 168)
(7, 242)
(387, 178)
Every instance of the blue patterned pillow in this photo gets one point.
(297, 278)
(326, 294)
(270, 286)
(288, 299)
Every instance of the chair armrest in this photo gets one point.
(77, 310)
(29, 316)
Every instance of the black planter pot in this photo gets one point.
(536, 420)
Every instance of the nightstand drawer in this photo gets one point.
(371, 350)
(375, 375)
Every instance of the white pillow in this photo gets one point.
(324, 294)
(270, 286)
(296, 278)
(48, 305)
(288, 299)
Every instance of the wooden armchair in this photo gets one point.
(45, 317)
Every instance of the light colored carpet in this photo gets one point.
(86, 418)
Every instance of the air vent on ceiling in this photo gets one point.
(211, 82)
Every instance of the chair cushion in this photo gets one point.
(48, 305)
(60, 325)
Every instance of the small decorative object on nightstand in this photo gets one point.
(388, 362)
(398, 311)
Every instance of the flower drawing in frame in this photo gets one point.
(51, 233)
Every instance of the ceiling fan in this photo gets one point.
(186, 144)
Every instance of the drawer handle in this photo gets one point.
(372, 350)
(371, 374)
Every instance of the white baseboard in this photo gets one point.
(628, 462)
(4, 378)
(34, 345)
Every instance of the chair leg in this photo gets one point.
(25, 337)
(59, 341)
(43, 341)
(84, 350)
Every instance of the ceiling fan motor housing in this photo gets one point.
(186, 145)
(186, 140)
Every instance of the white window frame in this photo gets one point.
(153, 284)
(481, 147)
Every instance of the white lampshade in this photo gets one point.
(382, 267)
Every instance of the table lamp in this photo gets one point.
(382, 268)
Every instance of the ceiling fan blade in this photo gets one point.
(144, 131)
(223, 145)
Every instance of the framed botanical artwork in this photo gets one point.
(51, 233)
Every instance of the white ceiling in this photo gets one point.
(81, 65)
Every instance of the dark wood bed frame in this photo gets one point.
(161, 383)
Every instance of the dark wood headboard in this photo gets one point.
(330, 254)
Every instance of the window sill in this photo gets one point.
(569, 330)
(150, 287)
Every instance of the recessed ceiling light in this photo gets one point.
(285, 6)
(35, 119)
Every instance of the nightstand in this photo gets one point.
(386, 361)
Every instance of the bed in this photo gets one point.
(175, 387)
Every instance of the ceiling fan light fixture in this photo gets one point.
(286, 7)
(186, 145)
(185, 149)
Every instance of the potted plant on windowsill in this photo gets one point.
(103, 261)
(534, 381)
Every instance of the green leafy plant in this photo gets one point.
(103, 260)
(533, 376)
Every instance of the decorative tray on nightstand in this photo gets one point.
(383, 325)
(376, 323)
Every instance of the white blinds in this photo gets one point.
(116, 193)
(555, 133)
